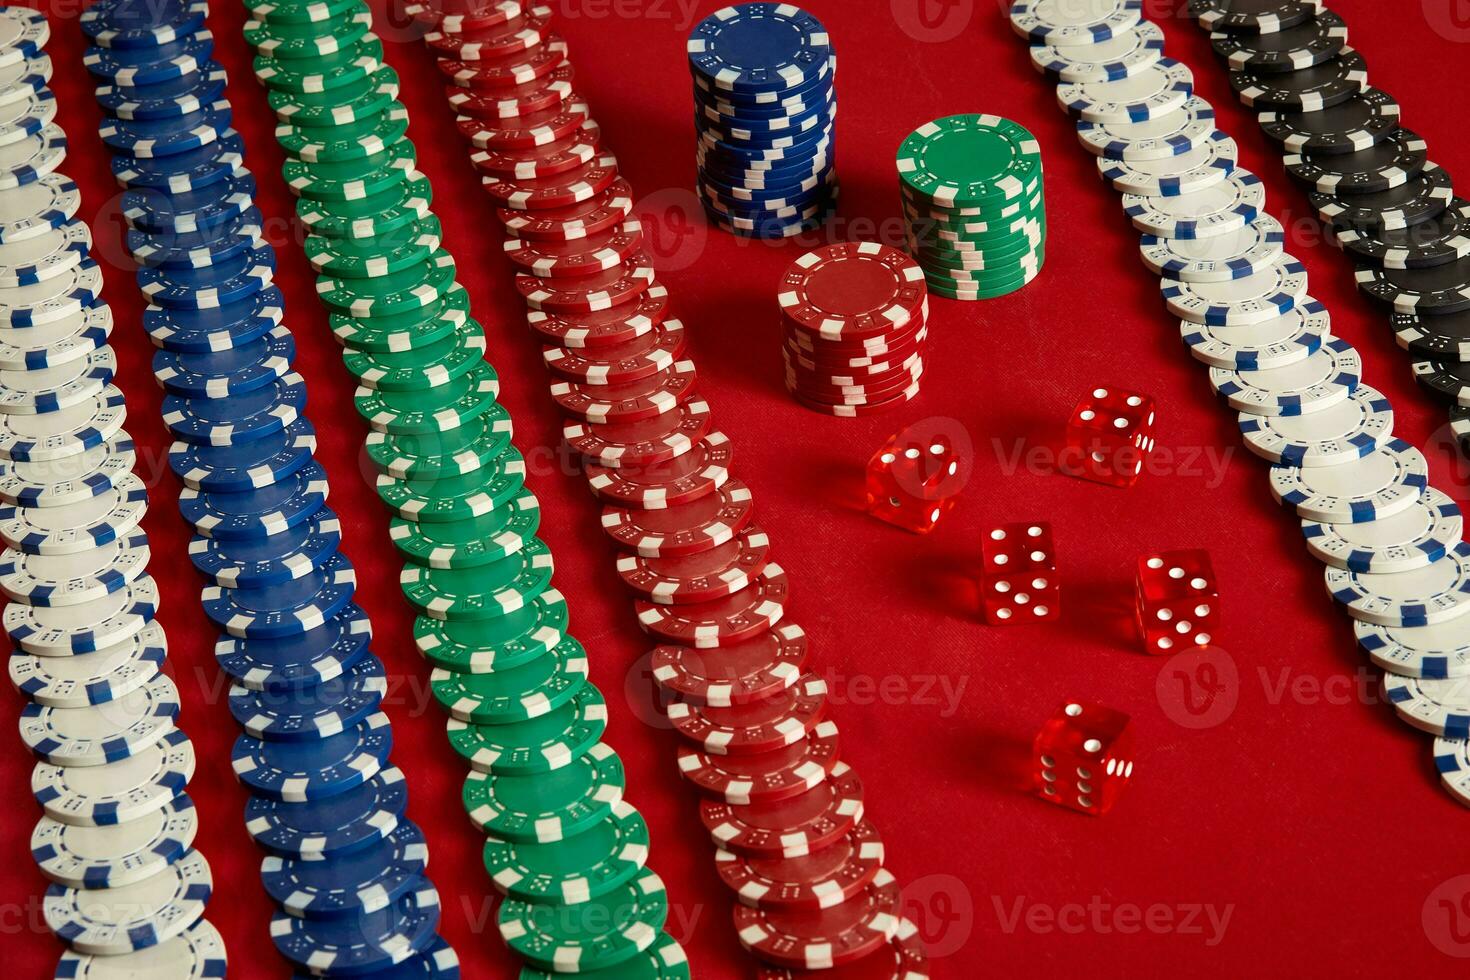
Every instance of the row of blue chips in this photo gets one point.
(764, 115)
(116, 835)
(346, 866)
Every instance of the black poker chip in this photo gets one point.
(1431, 292)
(1356, 124)
(1301, 46)
(1392, 162)
(1434, 241)
(1305, 90)
(1445, 337)
(1253, 16)
(1425, 197)
(1447, 379)
(1460, 426)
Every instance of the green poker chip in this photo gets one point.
(456, 498)
(540, 745)
(517, 694)
(417, 412)
(599, 934)
(664, 960)
(352, 179)
(352, 102)
(477, 541)
(400, 292)
(333, 144)
(432, 455)
(494, 644)
(407, 331)
(953, 290)
(968, 159)
(429, 366)
(361, 258)
(329, 73)
(596, 862)
(295, 12)
(316, 39)
(482, 592)
(549, 807)
(374, 216)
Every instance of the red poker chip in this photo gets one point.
(543, 93)
(837, 362)
(875, 376)
(641, 443)
(698, 473)
(819, 939)
(793, 827)
(874, 345)
(649, 354)
(767, 776)
(520, 68)
(818, 880)
(758, 668)
(557, 190)
(657, 394)
(902, 958)
(607, 209)
(756, 726)
(856, 394)
(601, 328)
(600, 291)
(682, 529)
(583, 257)
(492, 43)
(747, 613)
(852, 290)
(713, 574)
(861, 409)
(454, 15)
(576, 150)
(522, 132)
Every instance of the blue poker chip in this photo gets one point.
(295, 772)
(149, 66)
(787, 151)
(769, 198)
(193, 170)
(230, 421)
(437, 961)
(165, 100)
(758, 47)
(220, 374)
(247, 466)
(145, 24)
(333, 827)
(231, 281)
(256, 563)
(218, 329)
(199, 249)
(258, 513)
(295, 716)
(151, 139)
(814, 128)
(190, 211)
(359, 883)
(299, 662)
(361, 944)
(286, 609)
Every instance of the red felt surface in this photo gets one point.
(1299, 806)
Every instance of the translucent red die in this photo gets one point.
(1178, 600)
(1018, 580)
(1084, 757)
(915, 479)
(1110, 436)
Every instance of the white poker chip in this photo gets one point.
(53, 297)
(34, 260)
(95, 796)
(1263, 295)
(23, 33)
(55, 482)
(198, 953)
(1119, 56)
(112, 921)
(1325, 378)
(1438, 705)
(27, 161)
(66, 432)
(1436, 650)
(91, 678)
(1452, 759)
(67, 529)
(1160, 88)
(35, 208)
(1240, 253)
(68, 580)
(1169, 135)
(1433, 593)
(1410, 538)
(1203, 166)
(101, 733)
(1074, 22)
(1388, 480)
(1205, 213)
(55, 631)
(18, 78)
(1278, 342)
(44, 390)
(25, 116)
(117, 854)
(57, 343)
(1352, 427)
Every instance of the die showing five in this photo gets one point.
(1110, 436)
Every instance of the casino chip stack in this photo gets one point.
(854, 318)
(785, 814)
(116, 836)
(764, 112)
(1391, 543)
(325, 802)
(561, 844)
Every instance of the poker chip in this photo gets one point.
(664, 959)
(680, 530)
(739, 673)
(150, 65)
(122, 25)
(581, 257)
(482, 592)
(361, 944)
(649, 354)
(475, 646)
(585, 294)
(270, 509)
(66, 580)
(1309, 42)
(296, 662)
(35, 208)
(821, 879)
(551, 806)
(1426, 595)
(1411, 537)
(1443, 378)
(1170, 135)
(598, 214)
(575, 870)
(1262, 17)
(1390, 479)
(1148, 93)
(1068, 25)
(1432, 650)
(361, 883)
(171, 99)
(1328, 377)
(1435, 291)
(1279, 342)
(54, 483)
(1356, 124)
(23, 33)
(1307, 89)
(45, 257)
(1213, 211)
(1436, 240)
(131, 917)
(754, 727)
(117, 854)
(195, 954)
(332, 827)
(713, 574)
(120, 792)
(1201, 167)
(98, 677)
(86, 626)
(1343, 431)
(681, 480)
(1421, 198)
(1384, 164)
(27, 160)
(72, 528)
(516, 694)
(98, 734)
(658, 394)
(1242, 302)
(603, 932)
(1233, 255)
(80, 335)
(768, 777)
(542, 744)
(824, 938)
(299, 771)
(1435, 705)
(643, 443)
(1125, 53)
(247, 466)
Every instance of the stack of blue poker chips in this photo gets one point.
(117, 830)
(764, 114)
(344, 864)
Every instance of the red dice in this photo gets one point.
(914, 479)
(1178, 602)
(1084, 757)
(1110, 436)
(1019, 582)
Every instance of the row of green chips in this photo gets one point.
(563, 847)
(974, 205)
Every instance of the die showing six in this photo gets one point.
(1178, 601)
(1018, 580)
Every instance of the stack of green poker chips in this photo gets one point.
(974, 205)
(563, 847)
